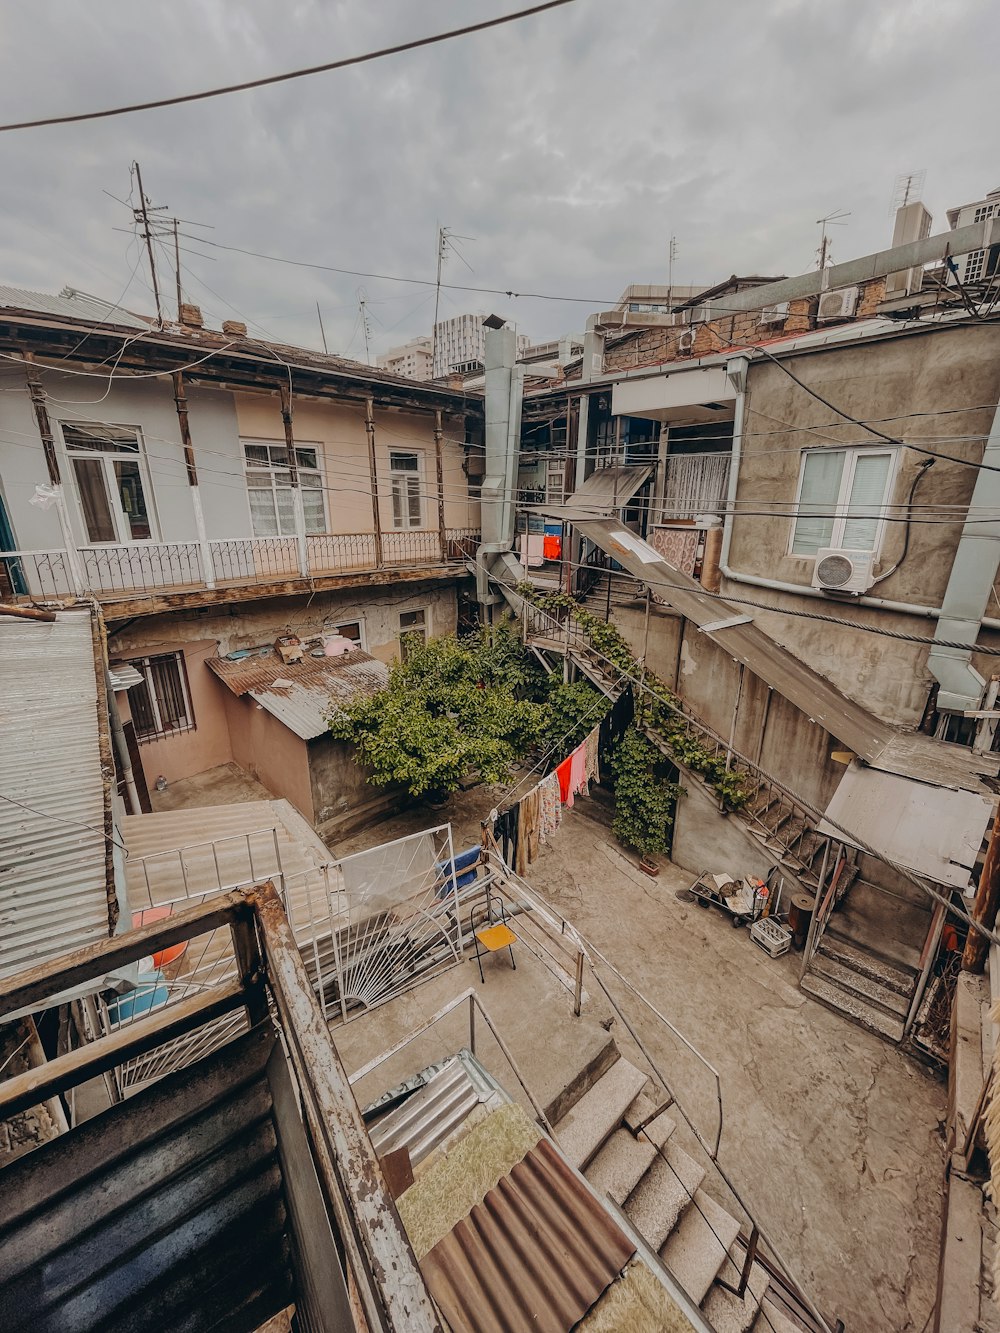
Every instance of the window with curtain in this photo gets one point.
(161, 705)
(269, 487)
(842, 498)
(407, 501)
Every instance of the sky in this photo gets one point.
(567, 147)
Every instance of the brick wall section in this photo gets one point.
(655, 346)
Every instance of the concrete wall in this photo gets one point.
(342, 798)
(950, 374)
(149, 406)
(268, 750)
(244, 625)
(705, 839)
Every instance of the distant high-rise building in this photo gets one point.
(460, 344)
(977, 264)
(413, 359)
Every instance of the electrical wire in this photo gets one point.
(73, 823)
(347, 61)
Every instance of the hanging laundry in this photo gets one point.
(550, 807)
(592, 748)
(577, 774)
(564, 776)
(529, 830)
(505, 831)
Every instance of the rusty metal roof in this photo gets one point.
(537, 1253)
(56, 889)
(301, 695)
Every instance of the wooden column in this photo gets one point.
(74, 564)
(439, 464)
(373, 475)
(181, 403)
(986, 905)
(298, 512)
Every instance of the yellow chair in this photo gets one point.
(493, 935)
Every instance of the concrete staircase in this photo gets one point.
(628, 1152)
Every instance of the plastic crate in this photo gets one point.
(773, 938)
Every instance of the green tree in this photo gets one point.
(645, 798)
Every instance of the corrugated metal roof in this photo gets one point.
(609, 488)
(53, 868)
(72, 305)
(432, 1114)
(934, 832)
(537, 1253)
(302, 700)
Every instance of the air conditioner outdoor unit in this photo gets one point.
(685, 343)
(840, 304)
(843, 571)
(774, 314)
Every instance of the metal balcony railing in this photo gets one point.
(148, 567)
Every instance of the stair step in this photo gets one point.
(663, 1193)
(734, 1314)
(698, 1248)
(598, 1113)
(845, 1002)
(658, 1130)
(844, 975)
(772, 1320)
(620, 1165)
(852, 927)
(871, 965)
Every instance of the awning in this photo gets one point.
(608, 489)
(935, 832)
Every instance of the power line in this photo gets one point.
(413, 45)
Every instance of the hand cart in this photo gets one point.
(741, 900)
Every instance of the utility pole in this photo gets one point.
(442, 245)
(322, 331)
(177, 267)
(835, 219)
(364, 326)
(141, 214)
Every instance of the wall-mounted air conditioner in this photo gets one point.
(685, 343)
(843, 571)
(774, 314)
(840, 304)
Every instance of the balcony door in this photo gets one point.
(109, 475)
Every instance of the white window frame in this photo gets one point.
(401, 522)
(119, 519)
(272, 469)
(362, 636)
(426, 627)
(851, 455)
(143, 666)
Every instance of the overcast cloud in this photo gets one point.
(570, 146)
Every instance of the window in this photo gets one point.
(353, 630)
(107, 467)
(407, 504)
(984, 211)
(412, 630)
(842, 493)
(270, 488)
(974, 266)
(161, 705)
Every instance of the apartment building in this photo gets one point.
(459, 344)
(214, 493)
(413, 360)
(983, 263)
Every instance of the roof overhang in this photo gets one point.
(682, 396)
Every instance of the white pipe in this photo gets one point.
(738, 373)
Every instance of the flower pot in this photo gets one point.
(650, 867)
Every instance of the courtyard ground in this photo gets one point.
(832, 1136)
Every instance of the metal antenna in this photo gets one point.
(322, 331)
(908, 186)
(364, 323)
(834, 219)
(672, 255)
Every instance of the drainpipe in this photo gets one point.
(181, 403)
(780, 585)
(973, 574)
(504, 388)
(298, 513)
(121, 747)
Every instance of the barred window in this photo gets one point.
(161, 705)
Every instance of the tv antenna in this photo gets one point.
(838, 218)
(908, 187)
(446, 245)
